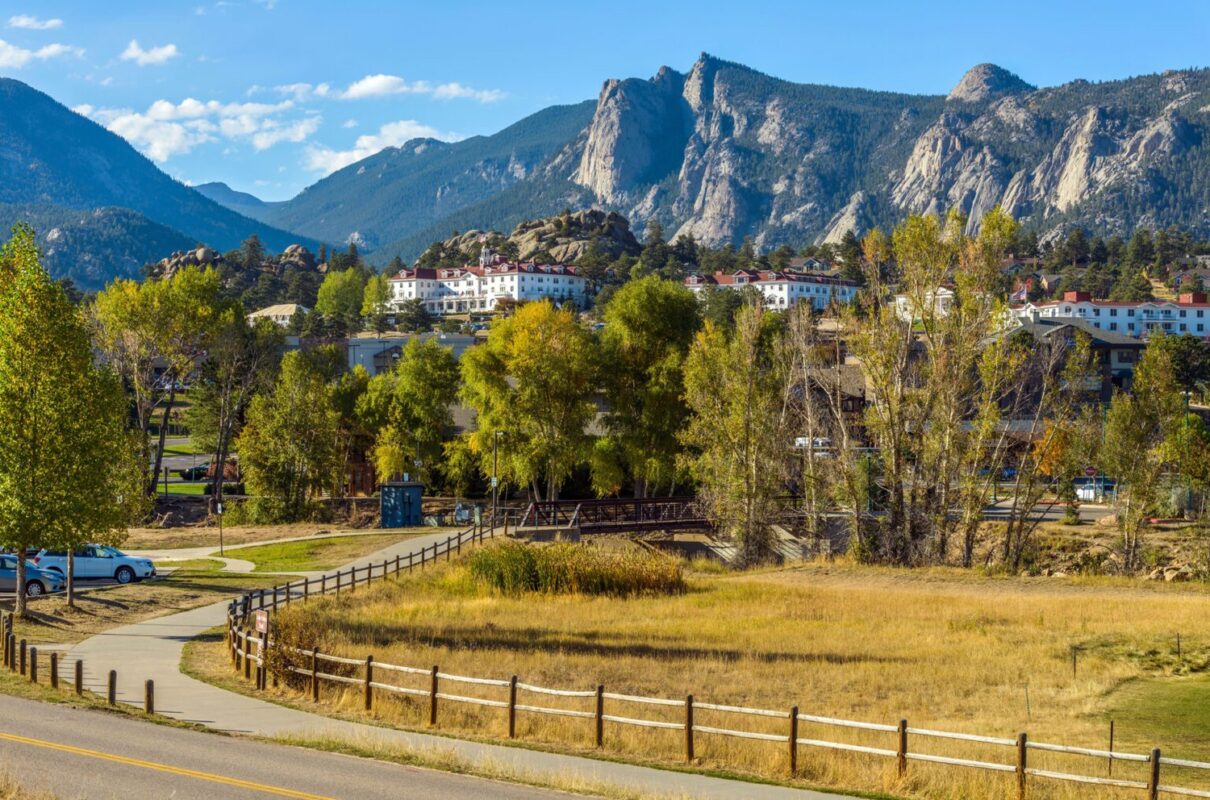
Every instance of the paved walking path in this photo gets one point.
(153, 650)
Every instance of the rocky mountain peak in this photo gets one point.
(984, 81)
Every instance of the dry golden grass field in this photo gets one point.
(944, 649)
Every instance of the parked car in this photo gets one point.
(197, 473)
(98, 561)
(37, 581)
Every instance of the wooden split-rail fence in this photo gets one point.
(249, 652)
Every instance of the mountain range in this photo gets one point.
(722, 152)
(100, 208)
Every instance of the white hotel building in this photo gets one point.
(478, 288)
(780, 289)
(1189, 313)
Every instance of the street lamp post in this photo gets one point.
(495, 478)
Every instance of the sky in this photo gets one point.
(271, 95)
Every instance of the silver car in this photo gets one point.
(98, 561)
(37, 582)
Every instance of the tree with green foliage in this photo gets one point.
(375, 302)
(155, 334)
(408, 409)
(69, 472)
(649, 326)
(413, 316)
(533, 381)
(736, 434)
(1137, 425)
(289, 448)
(341, 296)
(241, 362)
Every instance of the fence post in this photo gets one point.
(600, 715)
(338, 583)
(411, 559)
(433, 698)
(54, 670)
(247, 653)
(689, 729)
(79, 676)
(12, 652)
(315, 674)
(901, 754)
(111, 693)
(1153, 784)
(1022, 748)
(512, 707)
(23, 655)
(307, 590)
(149, 696)
(4, 636)
(33, 665)
(323, 583)
(793, 741)
(369, 680)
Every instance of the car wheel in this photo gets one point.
(34, 589)
(124, 575)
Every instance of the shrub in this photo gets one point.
(515, 567)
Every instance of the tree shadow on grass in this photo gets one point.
(531, 639)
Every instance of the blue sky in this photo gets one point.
(270, 95)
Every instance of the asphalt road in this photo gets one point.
(91, 755)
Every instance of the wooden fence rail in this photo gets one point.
(363, 672)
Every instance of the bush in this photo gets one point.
(515, 567)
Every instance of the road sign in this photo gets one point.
(1090, 471)
(262, 621)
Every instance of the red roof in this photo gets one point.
(502, 268)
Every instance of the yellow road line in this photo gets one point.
(189, 773)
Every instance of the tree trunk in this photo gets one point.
(71, 578)
(19, 603)
(159, 450)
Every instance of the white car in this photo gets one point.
(98, 561)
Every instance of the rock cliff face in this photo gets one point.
(724, 152)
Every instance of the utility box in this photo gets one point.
(401, 504)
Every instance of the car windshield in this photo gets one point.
(8, 562)
(113, 551)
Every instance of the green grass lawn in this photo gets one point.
(194, 488)
(308, 556)
(1149, 712)
(186, 449)
(192, 565)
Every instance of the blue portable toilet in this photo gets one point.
(401, 504)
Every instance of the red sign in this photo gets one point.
(1090, 471)
(262, 622)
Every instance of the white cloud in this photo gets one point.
(296, 131)
(349, 123)
(14, 57)
(448, 91)
(168, 129)
(298, 91)
(30, 23)
(154, 55)
(381, 86)
(393, 134)
(384, 85)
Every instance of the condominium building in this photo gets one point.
(1189, 313)
(459, 290)
(780, 289)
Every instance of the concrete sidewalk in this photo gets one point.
(153, 650)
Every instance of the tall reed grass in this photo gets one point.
(513, 568)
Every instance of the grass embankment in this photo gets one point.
(51, 620)
(174, 538)
(945, 649)
(316, 554)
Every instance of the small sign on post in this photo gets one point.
(261, 619)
